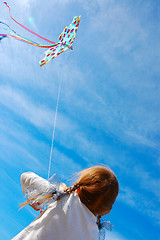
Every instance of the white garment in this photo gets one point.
(66, 219)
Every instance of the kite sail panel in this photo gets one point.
(64, 42)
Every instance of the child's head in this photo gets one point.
(97, 189)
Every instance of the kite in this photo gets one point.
(64, 42)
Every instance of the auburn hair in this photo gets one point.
(97, 188)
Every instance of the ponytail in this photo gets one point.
(69, 190)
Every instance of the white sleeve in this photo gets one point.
(32, 179)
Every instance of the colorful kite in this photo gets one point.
(65, 40)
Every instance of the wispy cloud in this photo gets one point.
(146, 181)
(139, 202)
(142, 140)
(114, 236)
(19, 103)
(22, 158)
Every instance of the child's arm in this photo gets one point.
(32, 179)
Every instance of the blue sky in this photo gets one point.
(108, 109)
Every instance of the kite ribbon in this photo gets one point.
(27, 28)
(26, 40)
(15, 35)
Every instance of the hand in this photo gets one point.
(34, 206)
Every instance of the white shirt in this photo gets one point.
(66, 219)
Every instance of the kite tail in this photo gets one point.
(27, 28)
(25, 40)
(2, 36)
(13, 34)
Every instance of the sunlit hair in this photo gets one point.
(97, 189)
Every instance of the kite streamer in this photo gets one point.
(25, 27)
(64, 42)
(13, 34)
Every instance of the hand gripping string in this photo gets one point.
(27, 28)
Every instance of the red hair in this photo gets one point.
(98, 188)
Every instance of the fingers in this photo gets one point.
(34, 206)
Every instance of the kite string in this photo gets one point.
(54, 127)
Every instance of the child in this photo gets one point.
(72, 216)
